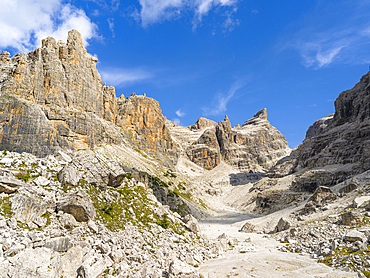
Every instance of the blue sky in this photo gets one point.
(212, 57)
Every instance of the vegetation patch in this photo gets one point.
(343, 255)
(6, 207)
(164, 223)
(129, 205)
(47, 216)
(24, 176)
(170, 174)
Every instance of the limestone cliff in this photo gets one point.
(53, 98)
(256, 146)
(203, 123)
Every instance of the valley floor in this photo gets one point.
(255, 255)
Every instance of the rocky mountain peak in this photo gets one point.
(353, 105)
(55, 100)
(257, 118)
(203, 123)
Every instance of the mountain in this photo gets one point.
(92, 184)
(52, 99)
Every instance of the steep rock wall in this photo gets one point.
(53, 98)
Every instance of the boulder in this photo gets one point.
(282, 225)
(33, 263)
(59, 244)
(28, 208)
(192, 224)
(351, 218)
(247, 228)
(93, 266)
(178, 268)
(79, 205)
(71, 261)
(354, 235)
(41, 181)
(9, 183)
(69, 175)
(68, 221)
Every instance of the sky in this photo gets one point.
(211, 58)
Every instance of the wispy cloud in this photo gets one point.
(341, 36)
(111, 26)
(154, 11)
(177, 121)
(24, 23)
(219, 104)
(180, 113)
(120, 77)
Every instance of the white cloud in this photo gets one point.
(325, 38)
(153, 11)
(179, 113)
(219, 104)
(23, 23)
(121, 77)
(177, 121)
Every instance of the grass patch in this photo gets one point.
(23, 176)
(343, 254)
(6, 207)
(130, 206)
(47, 216)
(164, 223)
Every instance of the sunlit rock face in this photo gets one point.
(256, 146)
(53, 98)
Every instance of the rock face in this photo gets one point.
(256, 146)
(344, 139)
(52, 98)
(143, 118)
(205, 152)
(203, 123)
(319, 126)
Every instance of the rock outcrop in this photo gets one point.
(205, 152)
(256, 146)
(52, 98)
(203, 123)
(319, 126)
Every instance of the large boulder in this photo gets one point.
(79, 205)
(351, 218)
(282, 225)
(9, 183)
(28, 208)
(192, 224)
